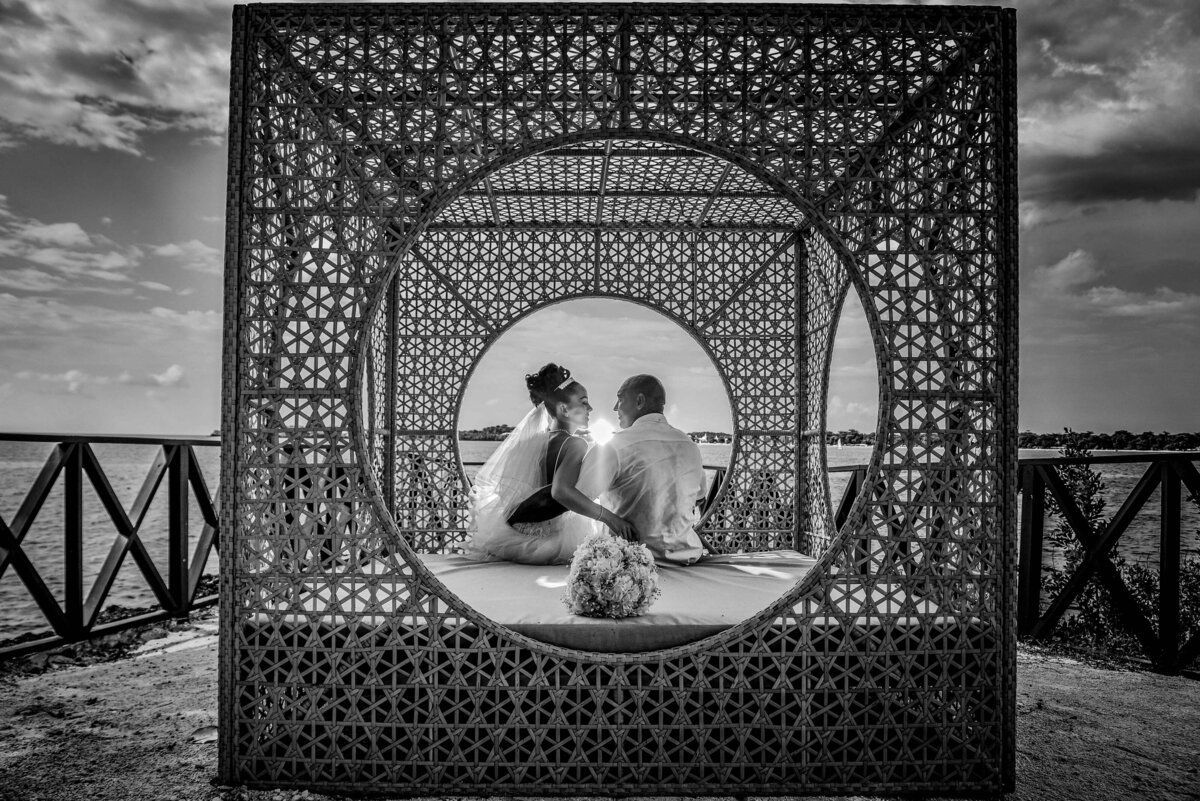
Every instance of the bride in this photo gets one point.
(525, 506)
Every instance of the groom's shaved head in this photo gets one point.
(650, 387)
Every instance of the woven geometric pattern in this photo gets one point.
(689, 234)
(407, 182)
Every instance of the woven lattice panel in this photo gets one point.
(732, 288)
(407, 181)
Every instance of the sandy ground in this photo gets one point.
(140, 727)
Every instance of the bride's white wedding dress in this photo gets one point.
(512, 474)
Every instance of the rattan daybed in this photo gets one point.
(408, 181)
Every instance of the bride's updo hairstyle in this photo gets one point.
(550, 385)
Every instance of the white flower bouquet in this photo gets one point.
(610, 577)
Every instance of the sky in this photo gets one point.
(112, 192)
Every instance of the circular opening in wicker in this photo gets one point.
(712, 244)
(602, 341)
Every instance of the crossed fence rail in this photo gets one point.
(1165, 645)
(79, 615)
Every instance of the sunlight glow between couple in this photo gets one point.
(601, 430)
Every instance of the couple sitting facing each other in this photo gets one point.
(534, 499)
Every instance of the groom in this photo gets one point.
(650, 473)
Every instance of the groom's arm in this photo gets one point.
(598, 471)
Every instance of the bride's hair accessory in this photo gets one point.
(548, 383)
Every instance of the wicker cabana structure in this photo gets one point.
(409, 181)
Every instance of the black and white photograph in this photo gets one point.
(599, 399)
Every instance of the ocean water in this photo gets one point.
(126, 467)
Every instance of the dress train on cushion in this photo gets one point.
(549, 542)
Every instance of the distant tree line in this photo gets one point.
(851, 436)
(494, 433)
(710, 436)
(1116, 441)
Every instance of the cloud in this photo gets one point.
(15, 13)
(199, 321)
(602, 341)
(28, 280)
(193, 255)
(1164, 165)
(64, 235)
(1107, 86)
(583, 327)
(1160, 304)
(30, 324)
(1034, 214)
(73, 381)
(1075, 269)
(103, 73)
(842, 414)
(82, 262)
(1071, 286)
(54, 252)
(32, 318)
(1108, 99)
(863, 369)
(64, 256)
(173, 376)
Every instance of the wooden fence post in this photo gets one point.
(73, 543)
(1033, 524)
(1168, 565)
(177, 495)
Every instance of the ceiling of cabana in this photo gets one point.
(621, 183)
(839, 98)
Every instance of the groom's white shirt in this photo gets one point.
(652, 475)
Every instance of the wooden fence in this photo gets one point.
(78, 617)
(1164, 646)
